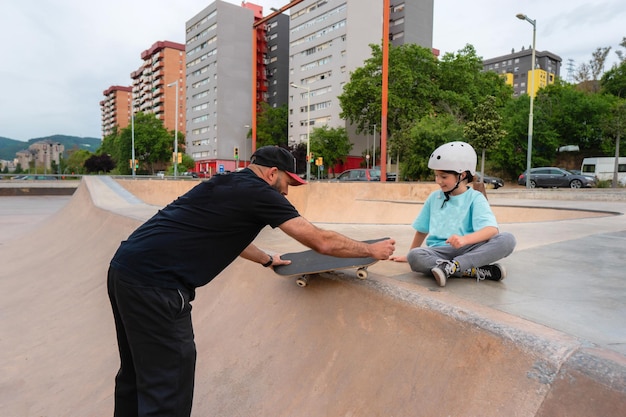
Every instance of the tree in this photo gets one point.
(614, 80)
(412, 71)
(485, 131)
(331, 144)
(464, 85)
(76, 161)
(423, 138)
(99, 163)
(272, 126)
(153, 144)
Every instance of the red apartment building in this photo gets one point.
(153, 90)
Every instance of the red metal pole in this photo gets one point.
(385, 83)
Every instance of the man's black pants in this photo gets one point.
(157, 349)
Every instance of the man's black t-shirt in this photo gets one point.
(190, 241)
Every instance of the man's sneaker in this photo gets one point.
(443, 270)
(493, 272)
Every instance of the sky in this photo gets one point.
(58, 56)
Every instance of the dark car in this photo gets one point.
(359, 175)
(494, 182)
(556, 177)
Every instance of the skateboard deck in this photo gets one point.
(306, 263)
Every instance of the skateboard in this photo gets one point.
(307, 263)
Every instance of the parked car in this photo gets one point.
(556, 177)
(189, 174)
(359, 175)
(392, 177)
(36, 177)
(495, 182)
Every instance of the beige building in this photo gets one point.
(41, 155)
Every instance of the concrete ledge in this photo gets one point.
(27, 187)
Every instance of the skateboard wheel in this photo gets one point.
(302, 281)
(361, 273)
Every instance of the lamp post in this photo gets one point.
(245, 146)
(175, 131)
(522, 16)
(132, 134)
(308, 128)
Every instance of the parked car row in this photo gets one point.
(546, 177)
(34, 177)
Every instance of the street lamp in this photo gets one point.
(308, 128)
(132, 134)
(522, 16)
(175, 131)
(245, 146)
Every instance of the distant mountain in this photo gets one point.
(9, 147)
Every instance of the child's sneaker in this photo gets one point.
(443, 270)
(493, 272)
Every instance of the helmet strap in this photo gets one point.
(447, 193)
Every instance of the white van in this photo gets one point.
(603, 167)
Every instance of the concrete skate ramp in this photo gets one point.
(358, 203)
(266, 347)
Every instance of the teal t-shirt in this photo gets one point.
(461, 215)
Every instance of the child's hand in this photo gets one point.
(398, 258)
(456, 241)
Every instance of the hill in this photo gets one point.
(9, 147)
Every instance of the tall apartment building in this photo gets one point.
(516, 68)
(153, 90)
(411, 21)
(219, 80)
(155, 82)
(328, 40)
(115, 108)
(276, 60)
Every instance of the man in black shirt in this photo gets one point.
(153, 275)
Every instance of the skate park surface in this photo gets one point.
(549, 340)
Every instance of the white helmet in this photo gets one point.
(454, 156)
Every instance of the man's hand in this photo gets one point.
(383, 249)
(277, 261)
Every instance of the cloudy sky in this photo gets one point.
(58, 56)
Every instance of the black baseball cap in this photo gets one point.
(281, 158)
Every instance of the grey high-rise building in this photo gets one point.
(219, 80)
(516, 69)
(328, 40)
(277, 60)
(411, 21)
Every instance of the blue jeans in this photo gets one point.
(423, 259)
(157, 349)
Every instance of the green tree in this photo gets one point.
(412, 71)
(272, 126)
(153, 144)
(614, 80)
(485, 131)
(330, 143)
(423, 138)
(463, 85)
(76, 161)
